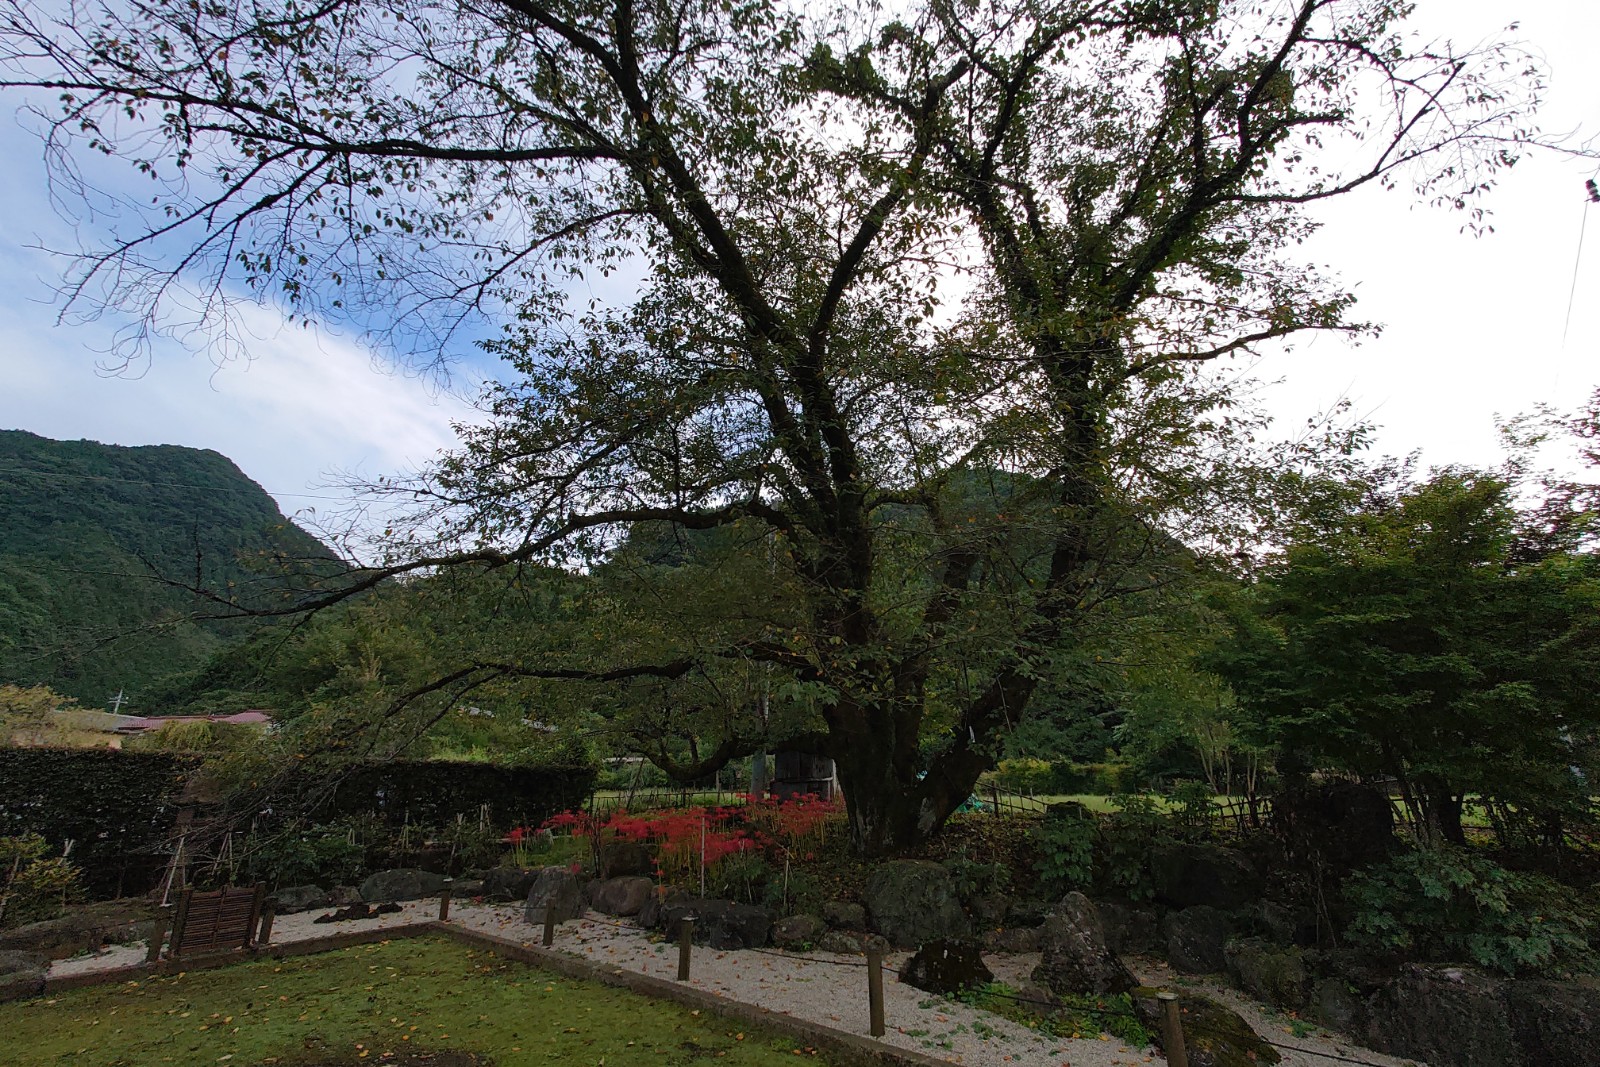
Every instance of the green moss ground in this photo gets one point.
(401, 998)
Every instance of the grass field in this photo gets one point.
(395, 1002)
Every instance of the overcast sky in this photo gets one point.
(1473, 325)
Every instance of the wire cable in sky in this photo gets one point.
(1591, 196)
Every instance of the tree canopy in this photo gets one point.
(1416, 638)
(921, 306)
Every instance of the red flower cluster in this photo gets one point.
(681, 836)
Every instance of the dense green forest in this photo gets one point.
(97, 546)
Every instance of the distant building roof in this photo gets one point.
(139, 723)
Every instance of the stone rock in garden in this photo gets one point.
(797, 931)
(1213, 1035)
(340, 895)
(844, 914)
(989, 910)
(876, 943)
(623, 896)
(1448, 1016)
(22, 974)
(1278, 976)
(557, 889)
(1338, 1005)
(466, 888)
(946, 967)
(1130, 930)
(1187, 875)
(82, 929)
(1014, 939)
(618, 858)
(722, 924)
(1284, 925)
(649, 915)
(913, 902)
(1076, 959)
(509, 883)
(404, 884)
(291, 899)
(840, 942)
(1036, 1000)
(1557, 1023)
(1027, 912)
(1195, 938)
(357, 911)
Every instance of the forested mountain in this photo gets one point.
(96, 545)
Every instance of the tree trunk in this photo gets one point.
(891, 808)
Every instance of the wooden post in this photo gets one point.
(264, 931)
(994, 792)
(444, 904)
(549, 924)
(875, 991)
(685, 940)
(1172, 1030)
(157, 936)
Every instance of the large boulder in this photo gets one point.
(291, 899)
(1188, 875)
(623, 896)
(1213, 1035)
(1448, 1016)
(722, 924)
(407, 883)
(557, 890)
(844, 915)
(1130, 930)
(22, 974)
(620, 858)
(1195, 939)
(1278, 976)
(649, 916)
(913, 902)
(798, 931)
(1076, 958)
(1283, 925)
(1014, 939)
(1557, 1024)
(842, 943)
(946, 968)
(84, 928)
(1025, 912)
(509, 883)
(1337, 1004)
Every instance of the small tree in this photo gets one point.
(1411, 643)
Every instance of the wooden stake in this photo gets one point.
(264, 931)
(549, 923)
(875, 991)
(444, 904)
(685, 941)
(157, 936)
(1172, 1030)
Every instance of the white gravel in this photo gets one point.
(824, 988)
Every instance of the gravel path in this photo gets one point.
(823, 988)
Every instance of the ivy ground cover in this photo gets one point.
(394, 1002)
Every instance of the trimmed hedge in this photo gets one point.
(1062, 778)
(434, 792)
(117, 808)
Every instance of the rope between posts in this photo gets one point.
(762, 951)
(1324, 1055)
(1112, 1013)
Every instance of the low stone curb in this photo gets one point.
(847, 1049)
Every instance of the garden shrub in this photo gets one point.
(326, 855)
(1127, 837)
(743, 877)
(1193, 814)
(1448, 904)
(36, 885)
(794, 892)
(1065, 839)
